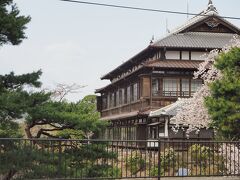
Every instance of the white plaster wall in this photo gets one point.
(185, 55)
(198, 55)
(173, 55)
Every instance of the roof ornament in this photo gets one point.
(152, 40)
(211, 7)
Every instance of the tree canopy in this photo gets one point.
(12, 24)
(217, 103)
(14, 100)
(224, 103)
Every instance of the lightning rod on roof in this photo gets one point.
(167, 30)
(210, 2)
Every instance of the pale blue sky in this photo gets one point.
(75, 43)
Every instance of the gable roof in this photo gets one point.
(211, 11)
(182, 37)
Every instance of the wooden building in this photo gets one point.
(160, 74)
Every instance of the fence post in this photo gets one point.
(59, 158)
(159, 159)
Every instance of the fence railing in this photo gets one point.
(101, 159)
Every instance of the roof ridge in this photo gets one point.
(203, 14)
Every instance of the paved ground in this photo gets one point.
(196, 178)
(203, 178)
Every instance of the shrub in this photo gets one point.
(200, 154)
(135, 163)
(154, 172)
(168, 159)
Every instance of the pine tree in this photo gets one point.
(12, 25)
(224, 103)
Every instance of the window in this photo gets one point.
(114, 99)
(185, 87)
(125, 96)
(128, 94)
(173, 55)
(109, 100)
(131, 93)
(120, 98)
(198, 55)
(104, 102)
(170, 87)
(195, 85)
(155, 87)
(185, 55)
(135, 92)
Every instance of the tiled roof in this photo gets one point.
(126, 115)
(170, 110)
(174, 64)
(196, 40)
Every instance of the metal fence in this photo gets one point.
(101, 159)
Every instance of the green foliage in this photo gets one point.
(57, 159)
(224, 104)
(168, 158)
(92, 159)
(200, 154)
(14, 100)
(12, 25)
(64, 120)
(135, 163)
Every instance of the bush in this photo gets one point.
(168, 160)
(135, 163)
(154, 172)
(200, 153)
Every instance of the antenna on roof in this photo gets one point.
(167, 30)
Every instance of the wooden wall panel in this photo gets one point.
(145, 87)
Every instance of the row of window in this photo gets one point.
(120, 133)
(175, 87)
(121, 96)
(169, 87)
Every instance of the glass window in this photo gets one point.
(170, 87)
(155, 87)
(131, 93)
(125, 96)
(135, 92)
(120, 96)
(108, 100)
(195, 85)
(128, 94)
(185, 87)
(114, 100)
(104, 102)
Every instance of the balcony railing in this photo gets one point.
(171, 94)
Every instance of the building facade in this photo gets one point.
(158, 75)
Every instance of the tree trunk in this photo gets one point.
(28, 131)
